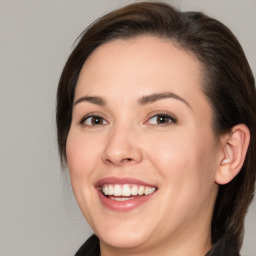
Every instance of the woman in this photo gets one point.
(156, 122)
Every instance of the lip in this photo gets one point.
(122, 206)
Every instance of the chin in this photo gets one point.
(124, 240)
(123, 235)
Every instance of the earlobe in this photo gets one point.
(234, 148)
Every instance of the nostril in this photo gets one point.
(123, 161)
(127, 160)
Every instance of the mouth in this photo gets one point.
(124, 194)
(120, 192)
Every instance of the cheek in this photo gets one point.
(187, 165)
(168, 150)
(82, 158)
(82, 155)
(185, 157)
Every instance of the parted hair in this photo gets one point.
(228, 83)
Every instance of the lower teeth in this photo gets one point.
(121, 198)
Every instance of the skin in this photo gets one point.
(181, 158)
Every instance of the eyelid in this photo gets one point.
(92, 114)
(172, 117)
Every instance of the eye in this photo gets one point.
(162, 120)
(93, 120)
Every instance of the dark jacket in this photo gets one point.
(92, 248)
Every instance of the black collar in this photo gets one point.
(222, 248)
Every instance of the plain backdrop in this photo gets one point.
(38, 214)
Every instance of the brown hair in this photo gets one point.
(228, 84)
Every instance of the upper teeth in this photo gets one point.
(127, 190)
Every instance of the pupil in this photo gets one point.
(96, 120)
(162, 119)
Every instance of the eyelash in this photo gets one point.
(84, 119)
(171, 120)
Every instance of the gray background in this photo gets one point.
(38, 214)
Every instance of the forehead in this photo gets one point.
(140, 65)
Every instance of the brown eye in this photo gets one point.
(94, 120)
(161, 119)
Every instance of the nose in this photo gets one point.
(121, 147)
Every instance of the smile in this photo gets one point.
(124, 192)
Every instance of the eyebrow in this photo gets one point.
(92, 99)
(160, 96)
(147, 99)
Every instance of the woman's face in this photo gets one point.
(141, 150)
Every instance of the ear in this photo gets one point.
(234, 148)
